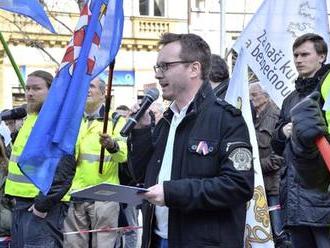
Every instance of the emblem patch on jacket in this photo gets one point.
(241, 158)
(202, 148)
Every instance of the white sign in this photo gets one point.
(268, 39)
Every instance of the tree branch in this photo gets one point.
(54, 17)
(30, 42)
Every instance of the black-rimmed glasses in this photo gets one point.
(163, 67)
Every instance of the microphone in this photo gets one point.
(149, 98)
(14, 114)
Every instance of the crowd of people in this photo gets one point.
(194, 158)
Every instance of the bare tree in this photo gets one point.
(37, 44)
(50, 13)
(30, 42)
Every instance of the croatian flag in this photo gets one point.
(94, 45)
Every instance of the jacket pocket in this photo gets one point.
(202, 157)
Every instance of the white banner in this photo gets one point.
(257, 227)
(5, 132)
(268, 38)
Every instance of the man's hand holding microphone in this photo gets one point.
(140, 118)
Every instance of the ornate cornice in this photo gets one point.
(128, 44)
(144, 35)
(48, 40)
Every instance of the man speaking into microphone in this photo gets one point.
(197, 161)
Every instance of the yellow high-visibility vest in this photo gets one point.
(16, 183)
(325, 89)
(88, 153)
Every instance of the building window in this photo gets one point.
(214, 6)
(144, 7)
(198, 4)
(152, 7)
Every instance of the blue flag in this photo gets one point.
(30, 8)
(94, 45)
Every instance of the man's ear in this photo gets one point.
(323, 59)
(196, 69)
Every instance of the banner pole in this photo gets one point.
(12, 61)
(106, 112)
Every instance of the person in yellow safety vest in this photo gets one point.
(37, 220)
(325, 93)
(84, 215)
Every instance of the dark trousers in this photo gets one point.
(30, 231)
(275, 215)
(158, 242)
(310, 237)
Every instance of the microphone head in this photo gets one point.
(152, 93)
(14, 114)
(19, 113)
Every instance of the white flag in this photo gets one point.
(5, 132)
(268, 38)
(257, 227)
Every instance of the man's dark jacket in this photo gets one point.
(304, 195)
(61, 184)
(221, 89)
(206, 195)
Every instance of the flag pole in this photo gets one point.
(106, 111)
(12, 61)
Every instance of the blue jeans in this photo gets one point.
(158, 242)
(131, 214)
(275, 215)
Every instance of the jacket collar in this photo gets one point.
(307, 85)
(98, 115)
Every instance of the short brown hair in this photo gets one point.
(219, 69)
(44, 75)
(320, 45)
(194, 48)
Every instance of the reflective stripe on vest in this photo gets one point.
(18, 178)
(14, 158)
(123, 139)
(92, 158)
